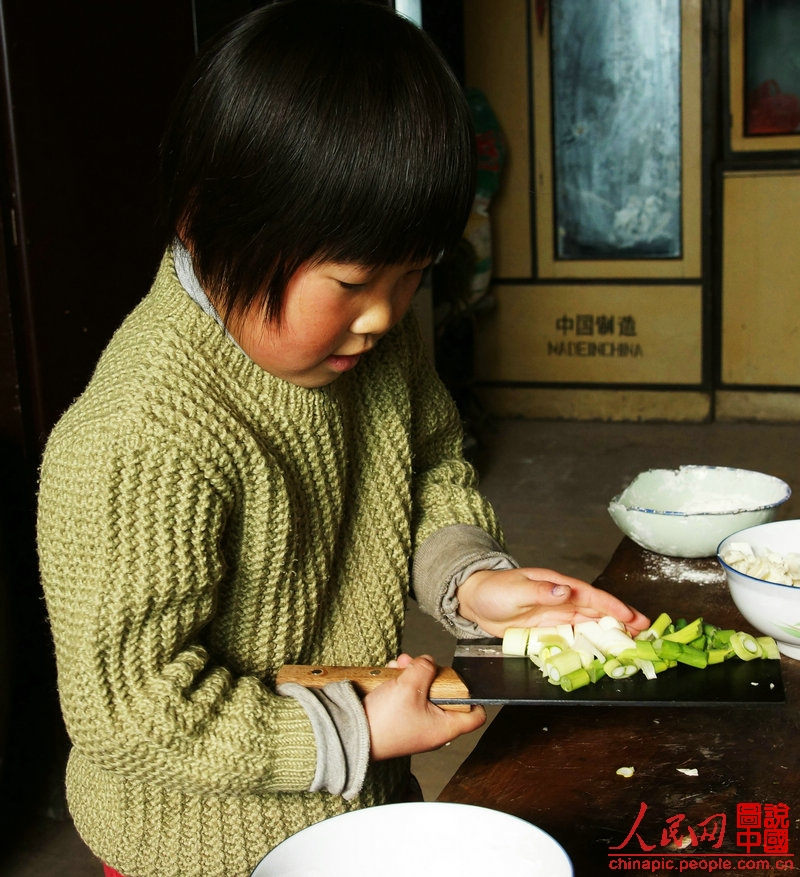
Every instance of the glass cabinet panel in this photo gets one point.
(764, 75)
(617, 138)
(772, 67)
(616, 92)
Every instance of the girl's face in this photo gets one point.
(333, 313)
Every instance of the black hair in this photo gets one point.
(315, 130)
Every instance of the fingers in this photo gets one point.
(591, 602)
(418, 676)
(403, 721)
(464, 723)
(400, 662)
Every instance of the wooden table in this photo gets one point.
(555, 766)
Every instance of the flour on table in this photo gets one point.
(658, 567)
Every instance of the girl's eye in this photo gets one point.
(351, 286)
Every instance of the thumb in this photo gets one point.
(419, 674)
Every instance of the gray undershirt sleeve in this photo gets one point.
(443, 562)
(341, 733)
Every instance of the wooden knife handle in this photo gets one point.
(447, 685)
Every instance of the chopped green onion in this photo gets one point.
(686, 633)
(717, 656)
(646, 651)
(576, 679)
(575, 656)
(656, 629)
(667, 649)
(515, 640)
(693, 657)
(745, 646)
(595, 670)
(769, 648)
(617, 670)
(721, 638)
(563, 664)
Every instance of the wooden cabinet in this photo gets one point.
(85, 92)
(701, 326)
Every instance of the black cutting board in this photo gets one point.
(512, 680)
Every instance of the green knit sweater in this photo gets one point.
(202, 523)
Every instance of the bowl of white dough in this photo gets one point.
(398, 840)
(687, 512)
(762, 566)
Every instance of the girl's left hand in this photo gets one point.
(532, 597)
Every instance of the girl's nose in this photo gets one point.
(376, 318)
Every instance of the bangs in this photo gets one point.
(389, 157)
(329, 131)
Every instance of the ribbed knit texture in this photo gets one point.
(202, 523)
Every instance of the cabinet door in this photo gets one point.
(763, 76)
(89, 88)
(760, 271)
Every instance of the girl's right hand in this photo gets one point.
(402, 721)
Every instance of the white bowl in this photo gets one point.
(398, 840)
(772, 608)
(686, 512)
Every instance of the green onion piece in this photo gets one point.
(646, 667)
(721, 638)
(515, 640)
(699, 643)
(595, 670)
(693, 657)
(656, 629)
(562, 664)
(667, 649)
(617, 670)
(680, 624)
(576, 679)
(646, 651)
(717, 656)
(745, 646)
(627, 656)
(687, 633)
(769, 648)
(549, 652)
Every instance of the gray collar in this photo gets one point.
(188, 280)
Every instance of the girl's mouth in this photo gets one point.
(342, 363)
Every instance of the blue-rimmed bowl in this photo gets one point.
(687, 512)
(773, 608)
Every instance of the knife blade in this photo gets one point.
(447, 690)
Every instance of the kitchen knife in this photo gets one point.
(447, 685)
(493, 678)
(481, 674)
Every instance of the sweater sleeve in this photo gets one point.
(130, 558)
(454, 525)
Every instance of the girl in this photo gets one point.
(264, 462)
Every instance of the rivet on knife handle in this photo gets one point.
(447, 685)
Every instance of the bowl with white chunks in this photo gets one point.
(762, 566)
